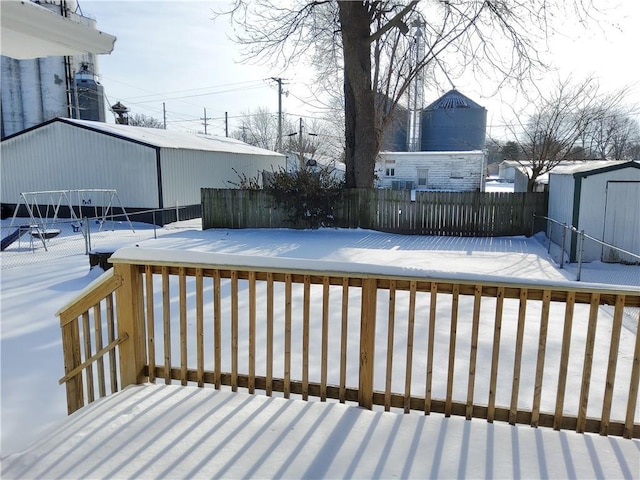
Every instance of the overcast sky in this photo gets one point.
(173, 52)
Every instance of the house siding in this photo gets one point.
(446, 171)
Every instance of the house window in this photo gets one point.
(390, 172)
(422, 177)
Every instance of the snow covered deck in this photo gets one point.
(159, 431)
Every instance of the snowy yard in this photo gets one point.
(32, 401)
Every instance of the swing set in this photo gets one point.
(44, 207)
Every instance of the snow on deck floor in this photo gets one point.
(159, 431)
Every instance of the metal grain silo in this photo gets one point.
(453, 123)
(394, 135)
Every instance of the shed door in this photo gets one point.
(622, 221)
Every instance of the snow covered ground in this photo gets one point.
(33, 291)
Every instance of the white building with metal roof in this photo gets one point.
(601, 198)
(149, 168)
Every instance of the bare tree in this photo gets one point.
(557, 129)
(259, 128)
(374, 45)
(313, 139)
(612, 135)
(142, 120)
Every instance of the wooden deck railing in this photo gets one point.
(399, 338)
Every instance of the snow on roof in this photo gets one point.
(157, 137)
(569, 168)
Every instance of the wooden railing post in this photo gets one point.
(367, 342)
(129, 307)
(72, 358)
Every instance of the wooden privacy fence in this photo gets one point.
(426, 213)
(540, 354)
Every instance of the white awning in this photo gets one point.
(30, 31)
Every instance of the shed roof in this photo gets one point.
(160, 138)
(592, 167)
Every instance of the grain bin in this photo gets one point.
(453, 123)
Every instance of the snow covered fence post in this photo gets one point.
(367, 342)
(129, 305)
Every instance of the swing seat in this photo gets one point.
(45, 234)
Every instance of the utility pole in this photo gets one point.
(302, 162)
(164, 115)
(244, 132)
(226, 124)
(205, 121)
(279, 142)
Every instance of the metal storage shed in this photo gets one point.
(149, 168)
(603, 199)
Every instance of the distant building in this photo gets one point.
(601, 198)
(150, 168)
(35, 90)
(439, 171)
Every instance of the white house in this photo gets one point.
(444, 171)
(603, 199)
(150, 168)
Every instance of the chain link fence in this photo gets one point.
(25, 242)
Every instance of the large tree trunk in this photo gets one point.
(362, 143)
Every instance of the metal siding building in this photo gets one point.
(603, 199)
(150, 168)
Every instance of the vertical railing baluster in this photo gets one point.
(234, 330)
(430, 347)
(343, 339)
(182, 289)
(495, 355)
(252, 332)
(477, 297)
(542, 348)
(200, 326)
(305, 336)
(287, 335)
(166, 325)
(86, 334)
(325, 339)
(633, 386)
(97, 323)
(517, 361)
(452, 348)
(409, 359)
(612, 364)
(148, 271)
(269, 387)
(217, 331)
(564, 359)
(588, 362)
(111, 336)
(390, 335)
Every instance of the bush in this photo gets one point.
(309, 196)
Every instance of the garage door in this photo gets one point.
(622, 221)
